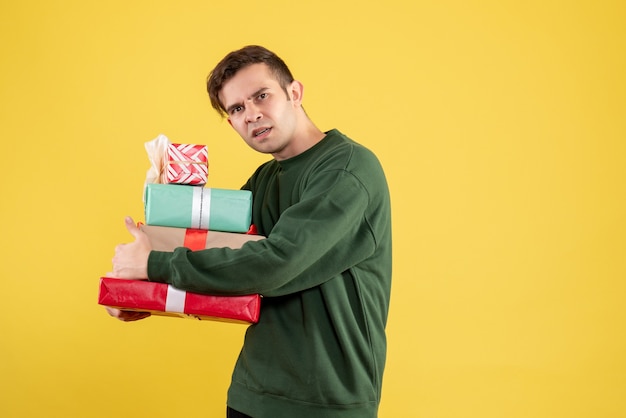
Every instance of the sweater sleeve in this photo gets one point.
(316, 239)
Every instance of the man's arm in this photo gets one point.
(326, 227)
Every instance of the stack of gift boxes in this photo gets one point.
(180, 211)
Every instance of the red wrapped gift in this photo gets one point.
(187, 164)
(165, 300)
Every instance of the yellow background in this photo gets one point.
(502, 129)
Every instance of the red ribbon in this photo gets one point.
(195, 239)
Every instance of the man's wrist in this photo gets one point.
(157, 266)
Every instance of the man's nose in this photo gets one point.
(253, 113)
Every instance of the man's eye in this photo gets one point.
(262, 96)
(236, 109)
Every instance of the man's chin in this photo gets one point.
(260, 147)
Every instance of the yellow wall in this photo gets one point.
(502, 128)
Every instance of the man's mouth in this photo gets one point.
(260, 132)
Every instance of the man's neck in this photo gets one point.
(306, 137)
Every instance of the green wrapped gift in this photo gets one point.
(181, 206)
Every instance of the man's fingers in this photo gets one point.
(126, 316)
(114, 312)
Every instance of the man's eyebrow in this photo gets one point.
(233, 106)
(256, 93)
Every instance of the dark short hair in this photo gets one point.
(241, 58)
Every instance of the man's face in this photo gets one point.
(260, 110)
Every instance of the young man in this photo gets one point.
(319, 347)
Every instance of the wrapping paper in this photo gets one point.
(195, 207)
(165, 300)
(165, 238)
(187, 164)
(176, 163)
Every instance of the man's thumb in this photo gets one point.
(130, 225)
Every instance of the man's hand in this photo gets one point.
(131, 260)
(126, 316)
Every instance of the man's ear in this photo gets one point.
(296, 90)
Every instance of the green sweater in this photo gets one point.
(324, 270)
